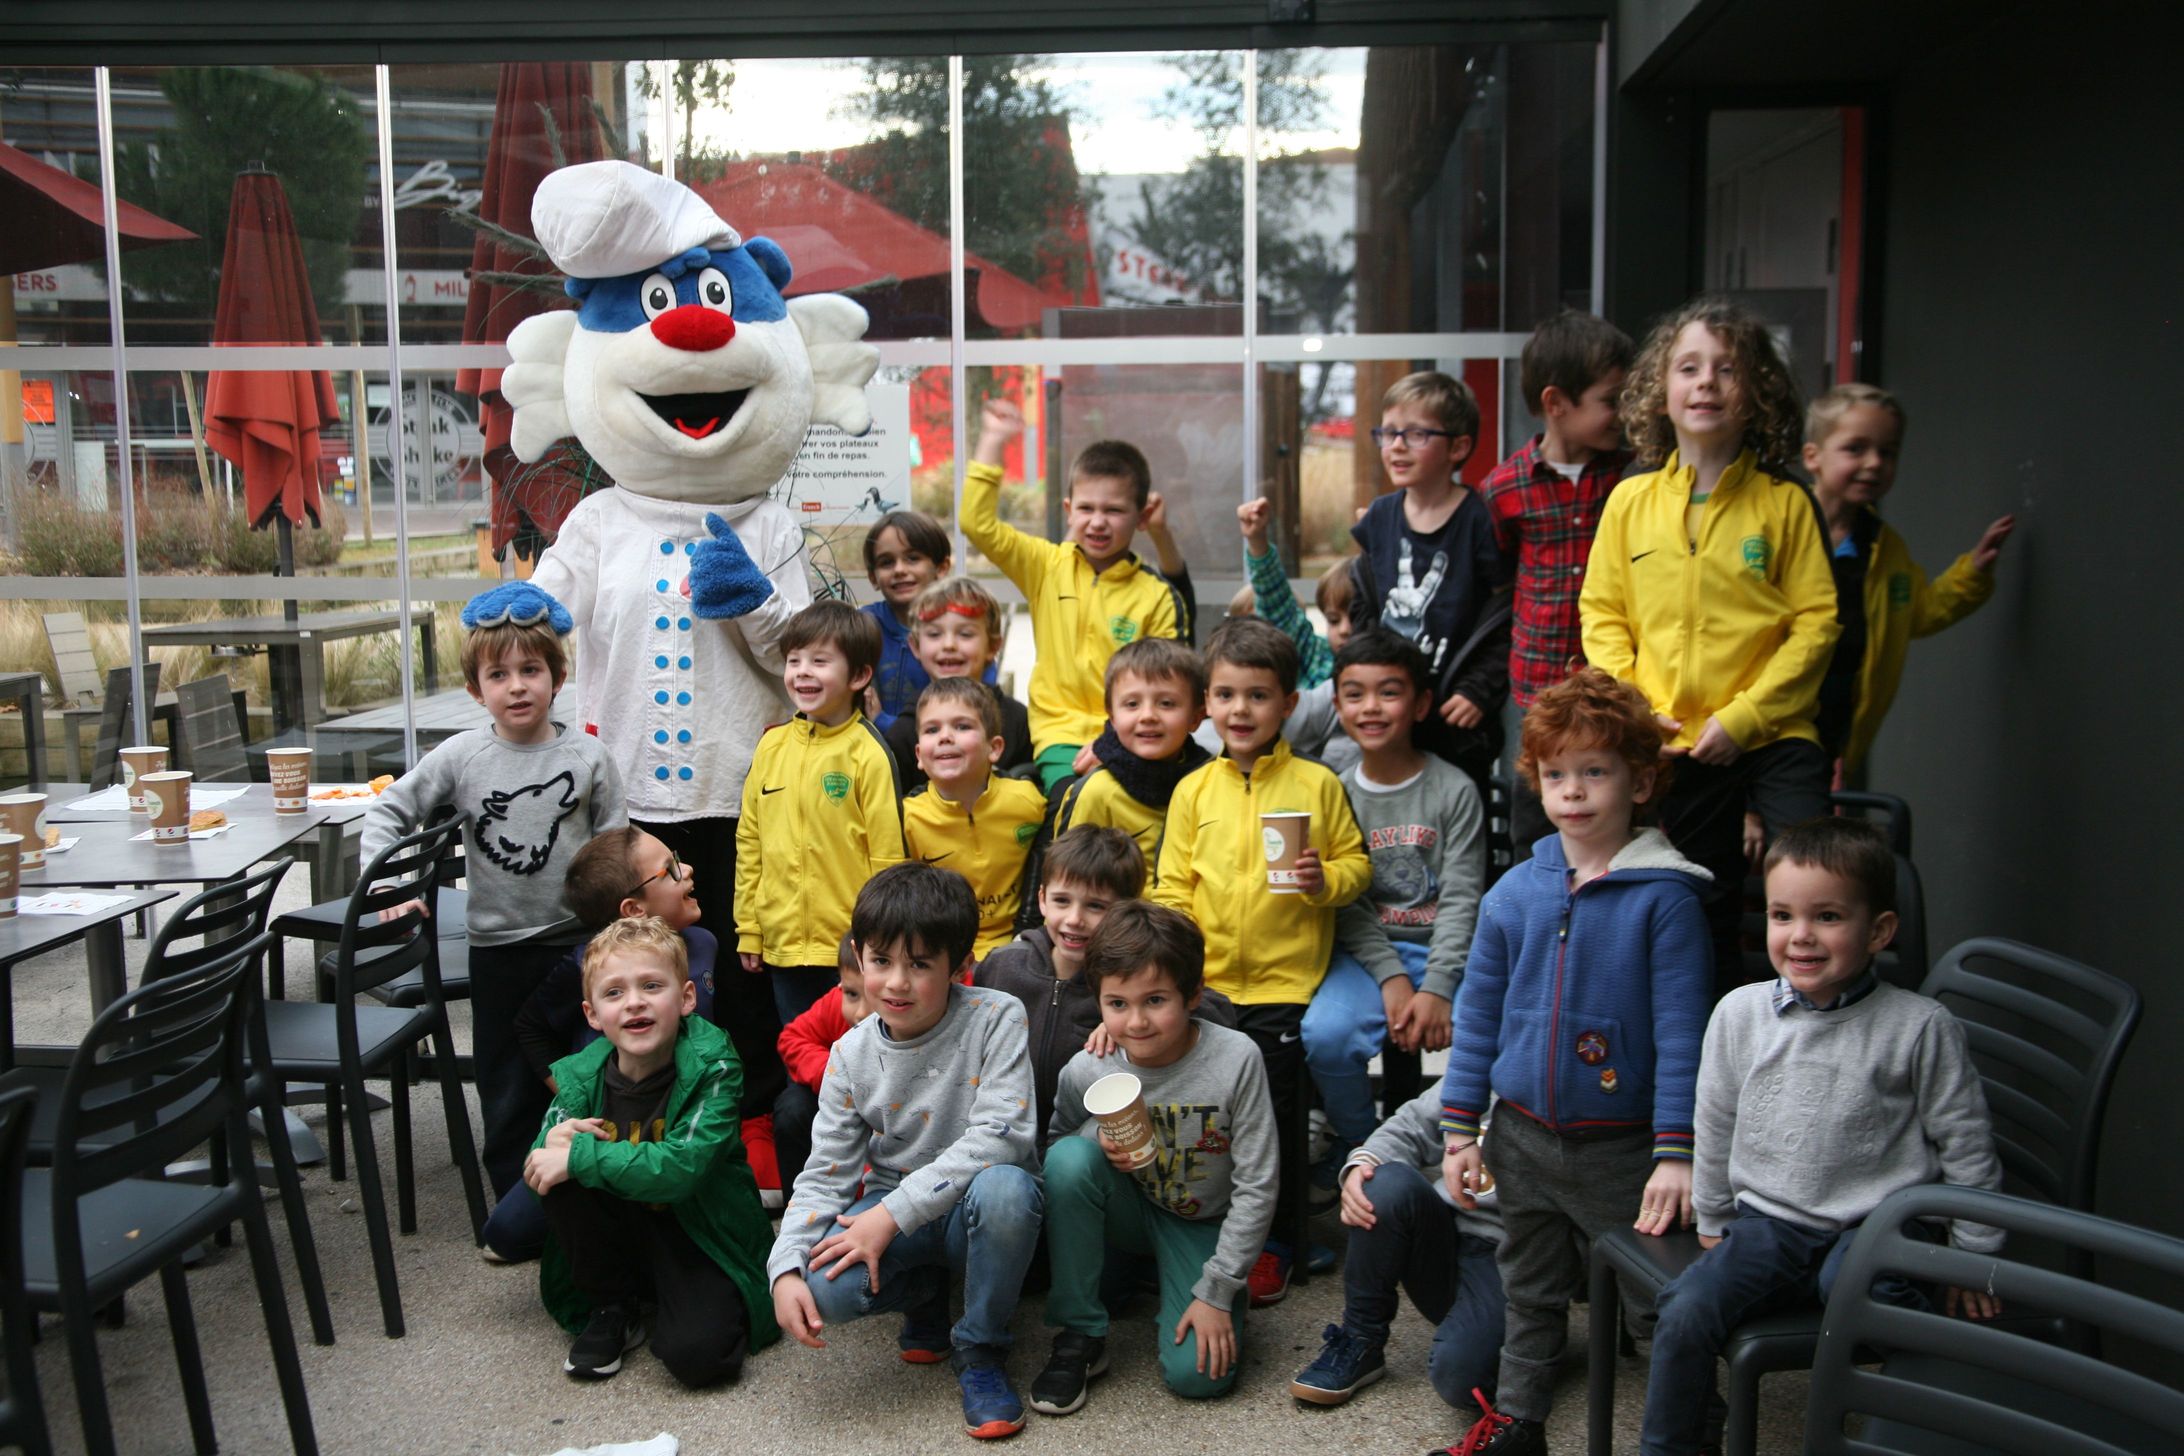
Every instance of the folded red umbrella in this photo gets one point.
(49, 217)
(268, 421)
(528, 501)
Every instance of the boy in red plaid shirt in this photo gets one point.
(1546, 501)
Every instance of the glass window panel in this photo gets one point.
(53, 280)
(193, 143)
(1103, 194)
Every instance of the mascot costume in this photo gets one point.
(691, 381)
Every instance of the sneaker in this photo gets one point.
(1269, 1279)
(1495, 1434)
(1347, 1364)
(1318, 1258)
(925, 1339)
(991, 1407)
(612, 1332)
(492, 1255)
(1060, 1388)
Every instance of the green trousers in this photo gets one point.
(1090, 1207)
(1056, 764)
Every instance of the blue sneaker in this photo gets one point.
(991, 1407)
(924, 1339)
(1346, 1365)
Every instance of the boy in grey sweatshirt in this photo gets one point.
(1201, 1208)
(1819, 1095)
(1400, 947)
(530, 795)
(928, 1102)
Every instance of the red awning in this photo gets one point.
(49, 218)
(861, 236)
(268, 421)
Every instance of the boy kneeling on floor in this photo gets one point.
(641, 1170)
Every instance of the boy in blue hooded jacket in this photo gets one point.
(1582, 1009)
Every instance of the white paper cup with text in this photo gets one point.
(25, 814)
(290, 770)
(169, 796)
(1285, 834)
(11, 849)
(135, 764)
(1118, 1101)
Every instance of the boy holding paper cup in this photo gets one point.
(1268, 940)
(1193, 1182)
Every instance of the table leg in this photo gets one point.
(7, 1016)
(311, 674)
(109, 967)
(432, 667)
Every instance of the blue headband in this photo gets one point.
(516, 603)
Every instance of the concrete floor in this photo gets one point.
(480, 1369)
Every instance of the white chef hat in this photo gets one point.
(605, 219)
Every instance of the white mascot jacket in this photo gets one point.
(692, 382)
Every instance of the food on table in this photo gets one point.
(206, 819)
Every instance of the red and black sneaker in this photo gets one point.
(1269, 1279)
(1495, 1434)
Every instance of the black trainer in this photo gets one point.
(1060, 1388)
(613, 1331)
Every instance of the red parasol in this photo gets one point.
(517, 158)
(268, 421)
(49, 217)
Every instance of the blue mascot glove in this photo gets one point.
(724, 581)
(519, 602)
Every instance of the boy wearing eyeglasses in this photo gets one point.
(1433, 571)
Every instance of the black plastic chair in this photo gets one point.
(339, 1044)
(214, 919)
(160, 1072)
(1955, 1387)
(22, 1413)
(2031, 1020)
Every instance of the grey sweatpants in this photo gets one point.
(1555, 1194)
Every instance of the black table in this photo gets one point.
(33, 935)
(296, 651)
(331, 818)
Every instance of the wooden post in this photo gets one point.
(197, 436)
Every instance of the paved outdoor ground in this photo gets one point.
(480, 1369)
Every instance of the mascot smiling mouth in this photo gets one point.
(699, 416)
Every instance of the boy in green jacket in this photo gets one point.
(641, 1170)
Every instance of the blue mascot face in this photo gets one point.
(677, 368)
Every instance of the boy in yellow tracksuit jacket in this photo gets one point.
(1853, 434)
(1733, 628)
(1087, 595)
(1266, 949)
(822, 810)
(967, 818)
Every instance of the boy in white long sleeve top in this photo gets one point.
(1819, 1095)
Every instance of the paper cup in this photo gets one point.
(1118, 1101)
(25, 814)
(169, 797)
(1285, 834)
(135, 764)
(11, 846)
(290, 770)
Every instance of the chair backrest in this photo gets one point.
(75, 666)
(1963, 1385)
(1500, 824)
(411, 868)
(1892, 813)
(210, 744)
(22, 1414)
(160, 1071)
(2046, 1034)
(212, 919)
(117, 724)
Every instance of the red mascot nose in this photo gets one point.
(693, 328)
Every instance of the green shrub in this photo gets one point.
(57, 537)
(174, 533)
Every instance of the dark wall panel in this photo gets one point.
(2033, 322)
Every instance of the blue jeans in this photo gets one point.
(1344, 1029)
(1762, 1264)
(988, 1238)
(1415, 1246)
(516, 1229)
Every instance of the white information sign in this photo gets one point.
(838, 478)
